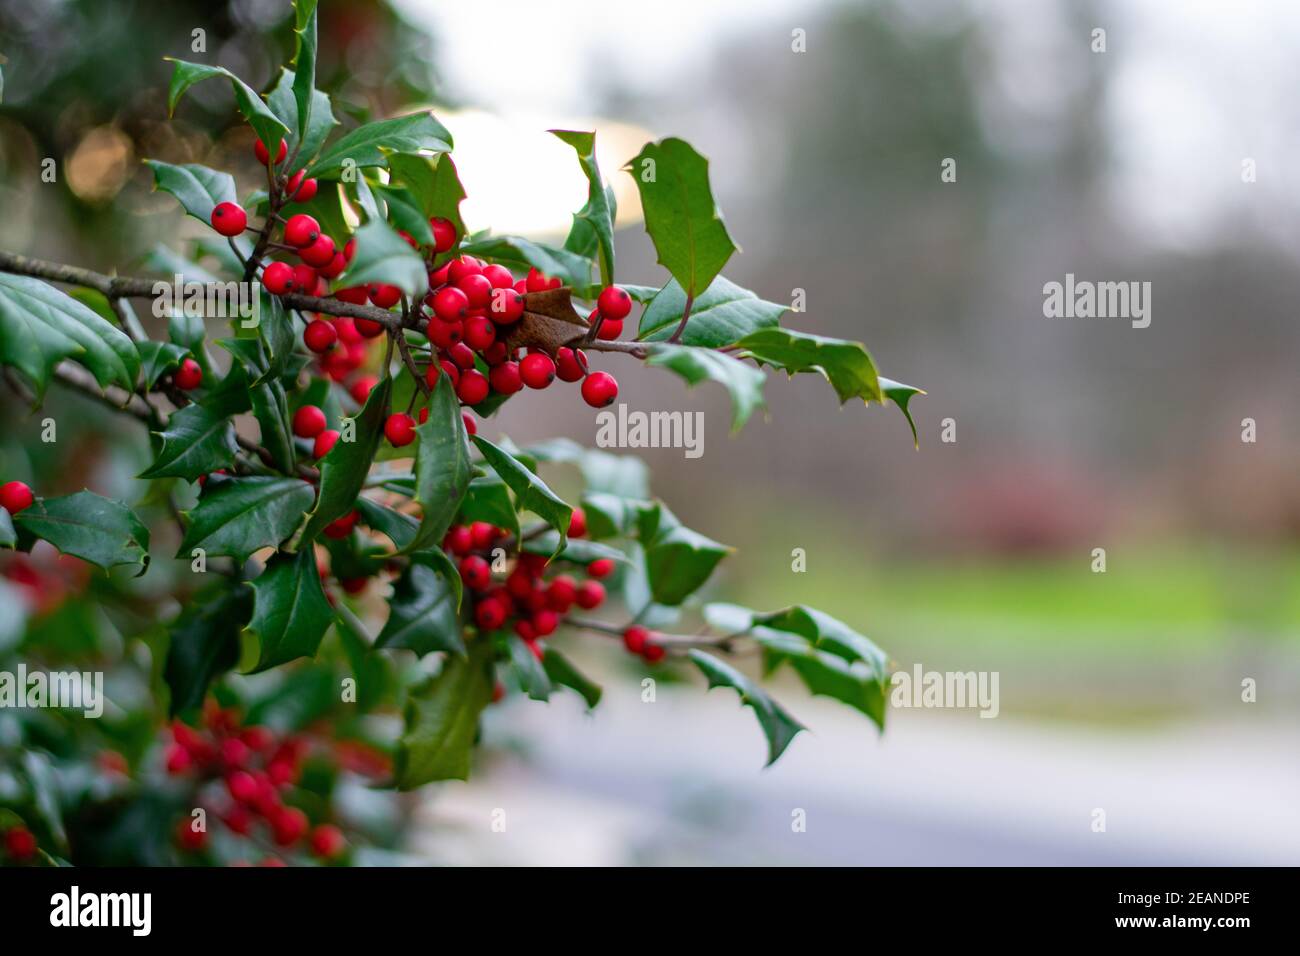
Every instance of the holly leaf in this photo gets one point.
(778, 726)
(41, 326)
(271, 408)
(423, 609)
(198, 188)
(266, 124)
(96, 529)
(825, 633)
(158, 359)
(488, 499)
(200, 438)
(343, 471)
(371, 144)
(290, 612)
(304, 62)
(578, 551)
(404, 212)
(561, 671)
(442, 466)
(434, 182)
(398, 527)
(383, 257)
(597, 216)
(848, 366)
(8, 537)
(743, 383)
(527, 669)
(242, 515)
(722, 315)
(441, 720)
(901, 395)
(572, 269)
(531, 493)
(204, 643)
(680, 214)
(679, 561)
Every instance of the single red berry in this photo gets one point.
(178, 759)
(350, 248)
(324, 442)
(482, 533)
(409, 239)
(362, 387)
(188, 838)
(243, 786)
(499, 276)
(477, 288)
(354, 585)
(305, 279)
(438, 277)
(634, 638)
(264, 156)
(473, 387)
(238, 819)
(610, 330)
(400, 429)
(20, 843)
(289, 826)
(490, 614)
(458, 540)
(601, 568)
(308, 421)
(545, 622)
(444, 233)
(652, 652)
(369, 328)
(450, 304)
(355, 294)
(257, 738)
(277, 277)
(320, 336)
(320, 253)
(577, 523)
(445, 334)
(335, 267)
(591, 594)
(479, 332)
(15, 497)
(570, 364)
(599, 389)
(526, 630)
(561, 593)
(234, 752)
(461, 355)
(496, 353)
(342, 527)
(537, 370)
(536, 281)
(457, 269)
(301, 230)
(471, 427)
(384, 296)
(506, 307)
(306, 192)
(188, 376)
(505, 378)
(614, 303)
(327, 841)
(229, 218)
(475, 572)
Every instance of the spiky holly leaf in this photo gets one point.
(724, 314)
(678, 560)
(441, 719)
(901, 395)
(290, 612)
(744, 383)
(270, 130)
(384, 258)
(572, 269)
(198, 188)
(371, 144)
(778, 726)
(593, 224)
(848, 366)
(304, 62)
(200, 438)
(344, 469)
(241, 515)
(435, 183)
(88, 526)
(442, 466)
(561, 671)
(531, 493)
(204, 642)
(423, 610)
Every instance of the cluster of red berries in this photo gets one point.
(15, 497)
(254, 767)
(20, 844)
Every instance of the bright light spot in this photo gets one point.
(99, 165)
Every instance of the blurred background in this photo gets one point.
(1120, 691)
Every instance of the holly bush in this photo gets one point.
(361, 572)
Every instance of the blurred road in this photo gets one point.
(679, 781)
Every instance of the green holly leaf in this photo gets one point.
(848, 366)
(200, 438)
(383, 257)
(204, 642)
(561, 671)
(825, 633)
(271, 408)
(290, 612)
(158, 359)
(241, 515)
(526, 669)
(85, 525)
(778, 726)
(41, 326)
(901, 395)
(828, 675)
(371, 144)
(8, 537)
(442, 466)
(743, 383)
(343, 471)
(198, 188)
(723, 315)
(577, 551)
(513, 251)
(680, 214)
(531, 493)
(266, 124)
(596, 218)
(398, 527)
(434, 182)
(404, 212)
(441, 719)
(423, 609)
(678, 560)
(488, 499)
(304, 62)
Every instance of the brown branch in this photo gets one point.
(686, 314)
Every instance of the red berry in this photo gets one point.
(342, 527)
(471, 427)
(537, 370)
(188, 376)
(496, 353)
(384, 296)
(610, 330)
(458, 541)
(489, 614)
(444, 234)
(15, 496)
(461, 354)
(634, 638)
(599, 389)
(335, 267)
(505, 378)
(308, 421)
(400, 429)
(320, 336)
(305, 279)
(445, 334)
(306, 192)
(263, 156)
(20, 843)
(178, 759)
(301, 230)
(479, 332)
(545, 622)
(614, 303)
(362, 387)
(324, 442)
(499, 276)
(369, 328)
(570, 364)
(450, 304)
(473, 387)
(320, 253)
(577, 523)
(591, 594)
(482, 534)
(561, 593)
(188, 838)
(229, 218)
(457, 269)
(243, 786)
(234, 752)
(475, 572)
(477, 289)
(327, 841)
(601, 568)
(536, 281)
(354, 585)
(289, 826)
(354, 294)
(653, 653)
(278, 278)
(506, 306)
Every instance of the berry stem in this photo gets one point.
(686, 314)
